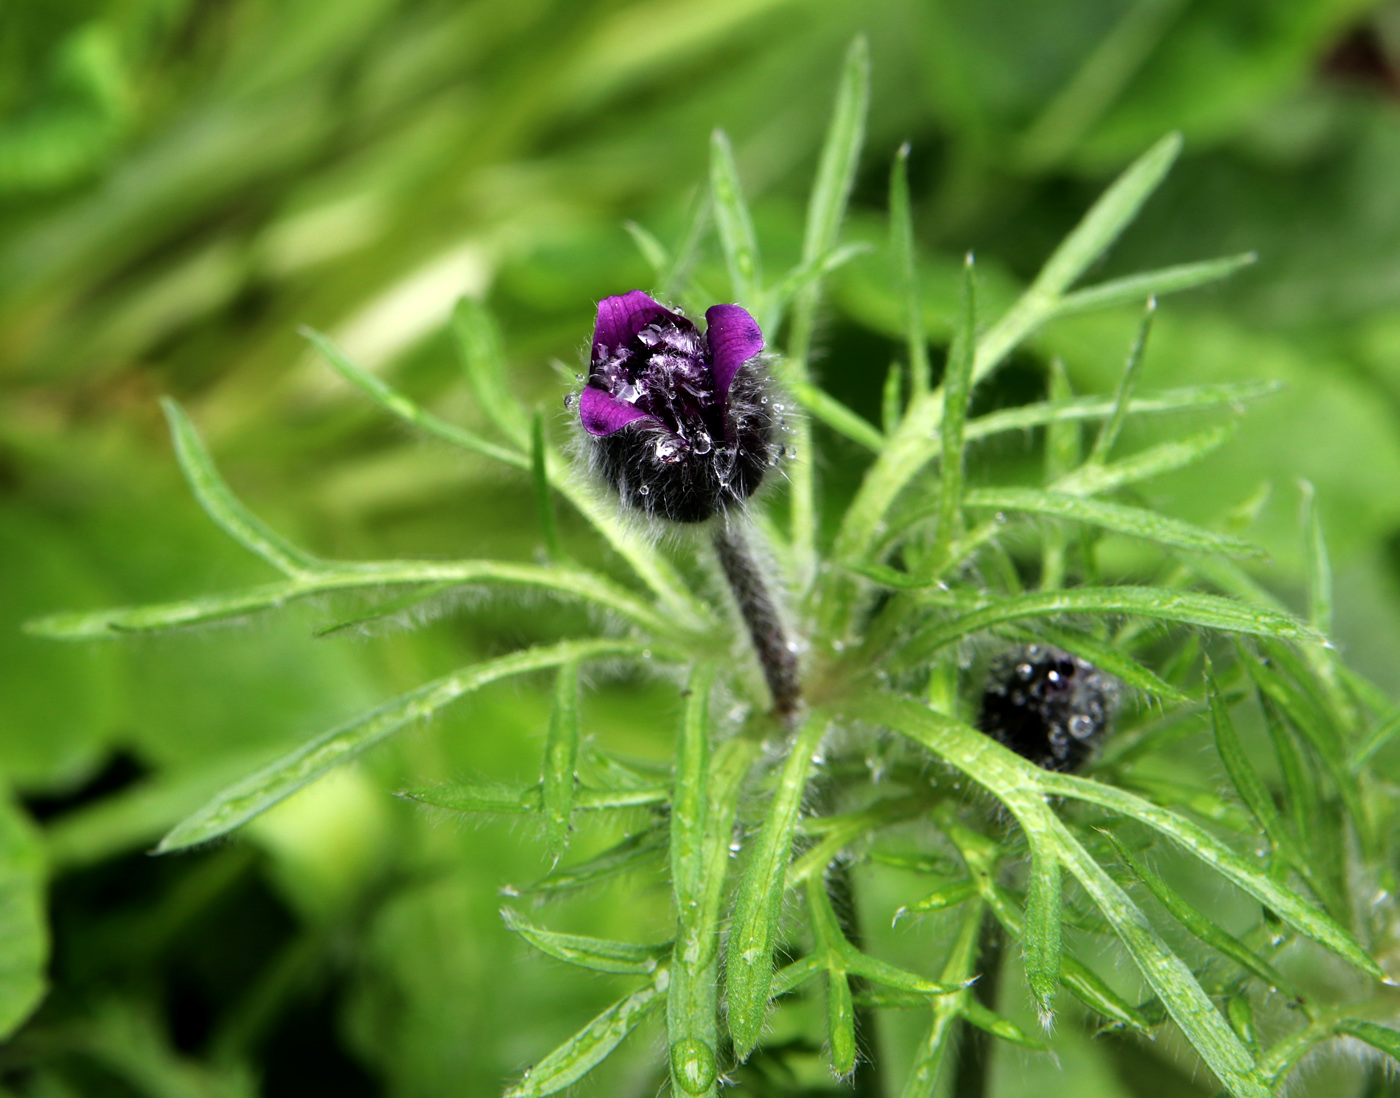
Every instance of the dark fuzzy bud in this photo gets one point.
(681, 421)
(1047, 705)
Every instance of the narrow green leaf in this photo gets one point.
(558, 776)
(1067, 410)
(226, 509)
(1155, 461)
(892, 399)
(907, 274)
(1318, 564)
(1168, 280)
(1108, 433)
(692, 1002)
(1110, 215)
(1381, 735)
(1203, 928)
(736, 233)
(591, 1045)
(24, 939)
(753, 931)
(672, 281)
(596, 954)
(1079, 980)
(1063, 442)
(498, 800)
(836, 415)
(350, 576)
(394, 402)
(387, 609)
(1137, 522)
(928, 1066)
(1167, 974)
(1379, 1037)
(1002, 1028)
(1240, 1013)
(544, 498)
(841, 1023)
(790, 977)
(653, 251)
(836, 171)
(632, 853)
(1040, 942)
(1158, 603)
(800, 278)
(940, 899)
(1247, 781)
(479, 345)
(255, 794)
(1297, 912)
(957, 391)
(882, 972)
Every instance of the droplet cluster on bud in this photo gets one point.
(680, 421)
(1047, 705)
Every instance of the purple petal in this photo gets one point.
(622, 317)
(734, 339)
(602, 413)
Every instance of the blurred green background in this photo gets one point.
(183, 182)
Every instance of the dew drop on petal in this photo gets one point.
(643, 491)
(568, 400)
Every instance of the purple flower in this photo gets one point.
(680, 420)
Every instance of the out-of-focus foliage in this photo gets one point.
(182, 183)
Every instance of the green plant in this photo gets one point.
(889, 611)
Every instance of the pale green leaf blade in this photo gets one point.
(544, 498)
(1168, 975)
(1108, 433)
(907, 273)
(957, 391)
(653, 251)
(489, 799)
(1169, 280)
(257, 793)
(1107, 219)
(24, 938)
(882, 972)
(1002, 1028)
(836, 415)
(591, 1045)
(1297, 912)
(1040, 943)
(226, 509)
(753, 931)
(387, 609)
(1134, 522)
(479, 345)
(1157, 603)
(395, 403)
(643, 849)
(1203, 928)
(582, 951)
(558, 776)
(1042, 413)
(1155, 461)
(840, 1023)
(836, 171)
(736, 233)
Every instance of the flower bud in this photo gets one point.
(1047, 705)
(680, 421)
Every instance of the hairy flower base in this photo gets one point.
(1047, 705)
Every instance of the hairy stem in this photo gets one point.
(760, 614)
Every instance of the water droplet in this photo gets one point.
(701, 443)
(838, 645)
(509, 890)
(1033, 651)
(643, 491)
(1080, 726)
(568, 400)
(646, 653)
(1024, 671)
(763, 400)
(579, 378)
